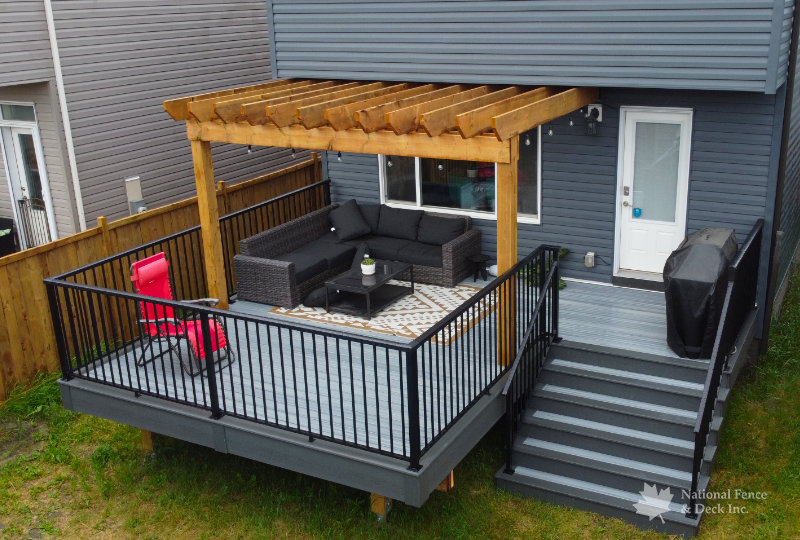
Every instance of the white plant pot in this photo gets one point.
(368, 269)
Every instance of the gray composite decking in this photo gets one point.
(615, 317)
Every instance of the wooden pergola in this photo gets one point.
(457, 121)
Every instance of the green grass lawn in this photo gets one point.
(71, 475)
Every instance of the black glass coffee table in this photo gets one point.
(364, 296)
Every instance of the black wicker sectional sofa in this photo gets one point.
(282, 265)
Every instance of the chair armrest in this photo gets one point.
(203, 301)
(268, 281)
(455, 254)
(288, 236)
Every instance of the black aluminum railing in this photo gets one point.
(740, 303)
(540, 332)
(389, 397)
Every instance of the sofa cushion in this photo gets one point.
(399, 222)
(422, 254)
(372, 214)
(306, 264)
(335, 255)
(439, 230)
(385, 247)
(348, 221)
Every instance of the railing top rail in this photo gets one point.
(748, 242)
(537, 308)
(178, 234)
(177, 304)
(488, 288)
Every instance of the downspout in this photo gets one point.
(772, 281)
(62, 102)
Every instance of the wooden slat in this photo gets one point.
(406, 120)
(343, 116)
(285, 114)
(446, 146)
(478, 120)
(256, 112)
(312, 116)
(178, 110)
(519, 120)
(203, 110)
(441, 120)
(374, 118)
(229, 109)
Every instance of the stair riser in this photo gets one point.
(616, 389)
(622, 419)
(632, 481)
(628, 449)
(677, 369)
(642, 522)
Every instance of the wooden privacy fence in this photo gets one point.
(27, 342)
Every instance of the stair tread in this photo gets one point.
(591, 425)
(626, 375)
(609, 460)
(700, 364)
(685, 415)
(590, 491)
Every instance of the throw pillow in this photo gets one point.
(371, 213)
(348, 221)
(399, 222)
(439, 230)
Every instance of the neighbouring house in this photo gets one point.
(611, 130)
(76, 81)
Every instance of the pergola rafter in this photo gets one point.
(434, 120)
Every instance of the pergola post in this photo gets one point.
(507, 249)
(209, 222)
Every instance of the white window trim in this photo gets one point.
(489, 216)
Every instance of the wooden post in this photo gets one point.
(147, 440)
(209, 222)
(222, 187)
(507, 250)
(380, 506)
(448, 483)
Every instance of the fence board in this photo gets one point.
(27, 342)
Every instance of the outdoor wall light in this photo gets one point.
(594, 115)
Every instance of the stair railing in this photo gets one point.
(740, 302)
(541, 332)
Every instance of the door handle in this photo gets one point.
(626, 203)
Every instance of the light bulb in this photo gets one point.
(571, 122)
(249, 148)
(440, 167)
(389, 162)
(294, 154)
(527, 140)
(550, 132)
(339, 157)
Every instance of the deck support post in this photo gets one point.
(147, 440)
(448, 483)
(209, 222)
(380, 506)
(507, 250)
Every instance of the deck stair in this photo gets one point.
(602, 423)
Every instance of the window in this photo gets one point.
(461, 186)
(24, 113)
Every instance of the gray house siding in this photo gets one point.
(733, 145)
(785, 42)
(687, 44)
(122, 60)
(46, 108)
(25, 51)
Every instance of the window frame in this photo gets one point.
(521, 218)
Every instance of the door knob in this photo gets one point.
(625, 203)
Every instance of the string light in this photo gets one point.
(339, 156)
(440, 167)
(549, 131)
(571, 123)
(527, 140)
(389, 162)
(294, 154)
(249, 148)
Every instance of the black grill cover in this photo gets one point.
(694, 279)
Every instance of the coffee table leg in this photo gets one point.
(369, 308)
(412, 279)
(326, 300)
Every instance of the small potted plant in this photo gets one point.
(368, 266)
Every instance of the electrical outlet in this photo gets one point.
(588, 259)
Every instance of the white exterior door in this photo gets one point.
(653, 186)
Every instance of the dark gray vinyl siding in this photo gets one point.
(688, 44)
(785, 42)
(732, 143)
(122, 59)
(24, 43)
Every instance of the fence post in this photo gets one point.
(412, 384)
(213, 395)
(222, 189)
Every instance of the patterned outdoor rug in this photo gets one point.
(408, 317)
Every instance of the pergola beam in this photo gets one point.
(446, 146)
(375, 118)
(205, 109)
(441, 120)
(286, 114)
(178, 110)
(230, 110)
(519, 120)
(313, 116)
(343, 116)
(256, 112)
(479, 120)
(406, 120)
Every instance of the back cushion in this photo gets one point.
(399, 222)
(348, 221)
(439, 230)
(371, 213)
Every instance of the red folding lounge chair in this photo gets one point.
(184, 337)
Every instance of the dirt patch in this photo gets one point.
(20, 438)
